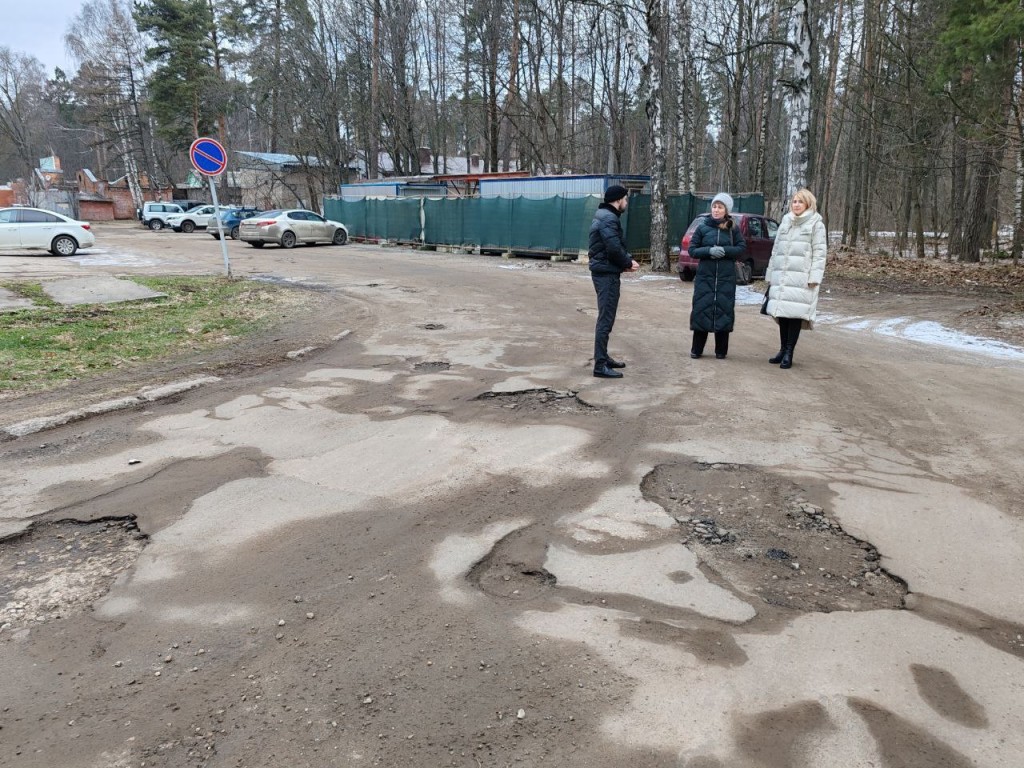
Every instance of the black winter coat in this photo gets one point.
(608, 254)
(714, 286)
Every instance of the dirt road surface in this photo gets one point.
(439, 541)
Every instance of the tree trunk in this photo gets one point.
(979, 211)
(797, 154)
(655, 68)
(685, 97)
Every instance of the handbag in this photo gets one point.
(764, 304)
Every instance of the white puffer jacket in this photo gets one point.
(798, 258)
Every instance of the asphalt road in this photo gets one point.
(439, 541)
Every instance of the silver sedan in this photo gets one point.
(286, 228)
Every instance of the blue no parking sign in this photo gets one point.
(208, 157)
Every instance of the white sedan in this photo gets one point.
(34, 228)
(197, 218)
(287, 228)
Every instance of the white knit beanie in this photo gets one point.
(724, 199)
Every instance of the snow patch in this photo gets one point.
(926, 332)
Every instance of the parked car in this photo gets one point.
(759, 234)
(154, 215)
(34, 228)
(230, 218)
(191, 220)
(286, 228)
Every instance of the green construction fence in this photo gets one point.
(516, 224)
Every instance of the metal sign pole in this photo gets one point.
(220, 227)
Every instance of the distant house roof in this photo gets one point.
(90, 176)
(448, 166)
(278, 159)
(197, 181)
(144, 183)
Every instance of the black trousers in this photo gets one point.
(700, 338)
(607, 288)
(789, 331)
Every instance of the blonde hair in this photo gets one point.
(807, 198)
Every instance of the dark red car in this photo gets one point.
(759, 234)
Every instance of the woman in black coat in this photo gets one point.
(716, 243)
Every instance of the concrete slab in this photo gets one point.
(9, 301)
(97, 290)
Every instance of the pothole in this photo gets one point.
(54, 569)
(539, 400)
(431, 366)
(432, 326)
(763, 536)
(513, 569)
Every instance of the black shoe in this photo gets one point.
(787, 358)
(604, 372)
(615, 364)
(778, 358)
(695, 355)
(719, 355)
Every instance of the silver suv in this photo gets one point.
(154, 215)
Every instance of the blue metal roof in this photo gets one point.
(277, 158)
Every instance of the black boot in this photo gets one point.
(700, 338)
(787, 358)
(783, 341)
(604, 372)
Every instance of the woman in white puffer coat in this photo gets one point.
(795, 272)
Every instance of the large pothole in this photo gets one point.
(539, 401)
(762, 535)
(56, 568)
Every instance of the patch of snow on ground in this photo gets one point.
(746, 295)
(101, 258)
(926, 332)
(651, 278)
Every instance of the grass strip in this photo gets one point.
(52, 344)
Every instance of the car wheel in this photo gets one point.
(257, 245)
(188, 226)
(234, 232)
(63, 245)
(340, 236)
(686, 275)
(744, 272)
(288, 240)
(156, 225)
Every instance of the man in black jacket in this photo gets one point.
(608, 259)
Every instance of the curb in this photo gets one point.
(144, 395)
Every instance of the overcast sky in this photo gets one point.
(37, 27)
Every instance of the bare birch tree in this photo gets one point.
(798, 86)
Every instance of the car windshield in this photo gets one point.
(269, 214)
